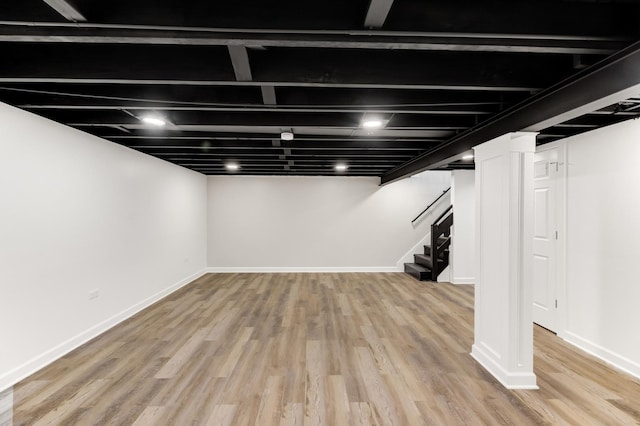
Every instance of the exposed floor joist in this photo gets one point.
(377, 13)
(65, 9)
(506, 43)
(240, 62)
(268, 95)
(229, 76)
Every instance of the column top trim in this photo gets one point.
(511, 142)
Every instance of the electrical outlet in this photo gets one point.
(94, 294)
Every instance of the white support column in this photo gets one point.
(6, 407)
(504, 233)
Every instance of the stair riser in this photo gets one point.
(428, 262)
(427, 252)
(420, 276)
(417, 271)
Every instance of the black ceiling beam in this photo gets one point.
(324, 167)
(299, 161)
(255, 149)
(251, 119)
(295, 173)
(242, 130)
(66, 9)
(214, 151)
(296, 144)
(199, 137)
(379, 40)
(289, 67)
(461, 109)
(275, 151)
(610, 78)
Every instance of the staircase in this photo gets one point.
(424, 268)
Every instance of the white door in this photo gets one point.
(545, 238)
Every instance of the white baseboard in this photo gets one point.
(298, 269)
(613, 359)
(12, 377)
(510, 380)
(463, 280)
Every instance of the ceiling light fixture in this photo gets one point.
(286, 136)
(341, 167)
(372, 124)
(467, 157)
(154, 121)
(232, 167)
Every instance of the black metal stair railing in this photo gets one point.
(430, 205)
(440, 228)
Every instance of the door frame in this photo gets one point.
(561, 224)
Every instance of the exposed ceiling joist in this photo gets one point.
(276, 142)
(609, 81)
(283, 68)
(377, 13)
(65, 9)
(506, 43)
(268, 95)
(240, 62)
(229, 77)
(444, 110)
(275, 130)
(277, 120)
(452, 84)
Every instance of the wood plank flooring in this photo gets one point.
(314, 349)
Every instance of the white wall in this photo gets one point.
(316, 223)
(462, 254)
(603, 244)
(80, 214)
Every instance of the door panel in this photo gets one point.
(545, 238)
(541, 222)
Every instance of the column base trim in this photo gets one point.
(510, 380)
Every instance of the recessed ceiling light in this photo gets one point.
(467, 157)
(232, 166)
(341, 167)
(372, 124)
(286, 136)
(154, 121)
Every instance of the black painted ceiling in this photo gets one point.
(230, 76)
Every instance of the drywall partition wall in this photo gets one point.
(316, 223)
(90, 232)
(603, 234)
(463, 233)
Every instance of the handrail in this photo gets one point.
(429, 206)
(443, 215)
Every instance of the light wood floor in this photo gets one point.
(317, 349)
